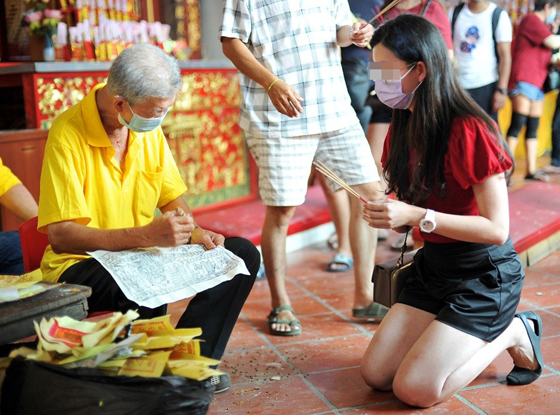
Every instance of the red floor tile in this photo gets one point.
(284, 397)
(303, 305)
(538, 277)
(543, 296)
(345, 388)
(244, 336)
(313, 328)
(538, 398)
(453, 406)
(255, 365)
(551, 264)
(326, 354)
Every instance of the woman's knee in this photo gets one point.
(414, 392)
(375, 378)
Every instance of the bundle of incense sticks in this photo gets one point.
(321, 168)
(382, 12)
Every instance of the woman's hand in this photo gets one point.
(390, 214)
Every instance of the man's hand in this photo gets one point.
(498, 101)
(170, 229)
(207, 238)
(285, 98)
(361, 37)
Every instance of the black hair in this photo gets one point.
(439, 100)
(539, 4)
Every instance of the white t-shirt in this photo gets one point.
(475, 55)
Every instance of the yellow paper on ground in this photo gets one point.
(109, 333)
(143, 367)
(195, 372)
(178, 332)
(164, 342)
(192, 347)
(179, 357)
(154, 324)
(163, 356)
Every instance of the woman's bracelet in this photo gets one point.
(272, 84)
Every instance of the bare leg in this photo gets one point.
(531, 145)
(363, 240)
(273, 244)
(425, 361)
(521, 105)
(376, 135)
(339, 208)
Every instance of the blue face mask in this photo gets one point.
(139, 124)
(551, 18)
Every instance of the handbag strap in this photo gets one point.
(425, 9)
(404, 247)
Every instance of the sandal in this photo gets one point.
(519, 375)
(332, 242)
(340, 259)
(273, 319)
(552, 169)
(374, 310)
(538, 176)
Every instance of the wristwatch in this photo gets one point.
(428, 224)
(503, 91)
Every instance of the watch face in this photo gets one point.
(427, 226)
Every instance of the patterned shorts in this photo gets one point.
(285, 163)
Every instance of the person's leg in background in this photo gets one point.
(521, 105)
(339, 208)
(555, 156)
(376, 134)
(356, 77)
(11, 261)
(532, 143)
(483, 96)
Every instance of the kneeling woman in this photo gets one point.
(446, 162)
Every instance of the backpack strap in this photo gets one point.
(456, 12)
(495, 19)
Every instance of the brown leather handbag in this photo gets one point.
(390, 276)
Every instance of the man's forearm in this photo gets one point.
(70, 237)
(19, 201)
(504, 71)
(236, 51)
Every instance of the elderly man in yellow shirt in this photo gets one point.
(107, 167)
(15, 197)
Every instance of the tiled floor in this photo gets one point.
(317, 372)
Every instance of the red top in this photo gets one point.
(530, 58)
(472, 156)
(434, 14)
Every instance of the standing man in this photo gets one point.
(15, 197)
(107, 167)
(482, 35)
(296, 109)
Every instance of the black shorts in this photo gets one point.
(382, 114)
(474, 288)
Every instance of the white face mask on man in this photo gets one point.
(139, 124)
(391, 94)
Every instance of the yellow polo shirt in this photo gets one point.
(81, 182)
(7, 179)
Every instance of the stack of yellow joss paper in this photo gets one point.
(121, 345)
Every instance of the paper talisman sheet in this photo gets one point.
(154, 276)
